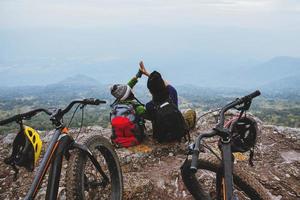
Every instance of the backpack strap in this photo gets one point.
(188, 138)
(187, 135)
(114, 103)
(139, 101)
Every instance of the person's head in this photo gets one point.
(121, 92)
(157, 87)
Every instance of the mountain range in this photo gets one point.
(278, 76)
(273, 73)
(200, 72)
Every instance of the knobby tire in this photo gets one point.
(76, 168)
(241, 178)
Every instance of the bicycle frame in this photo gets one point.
(224, 173)
(59, 146)
(60, 143)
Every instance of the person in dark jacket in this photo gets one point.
(160, 90)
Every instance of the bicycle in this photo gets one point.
(107, 179)
(230, 182)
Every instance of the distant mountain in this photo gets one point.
(275, 69)
(265, 74)
(282, 78)
(79, 86)
(79, 80)
(278, 77)
(291, 82)
(242, 76)
(192, 90)
(286, 88)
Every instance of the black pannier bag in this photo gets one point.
(168, 123)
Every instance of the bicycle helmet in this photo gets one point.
(244, 132)
(27, 148)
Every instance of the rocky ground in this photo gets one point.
(152, 170)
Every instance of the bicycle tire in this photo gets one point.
(244, 181)
(76, 171)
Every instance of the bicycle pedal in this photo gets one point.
(235, 197)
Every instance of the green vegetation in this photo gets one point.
(93, 115)
(279, 112)
(279, 109)
(272, 111)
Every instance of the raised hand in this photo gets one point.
(143, 69)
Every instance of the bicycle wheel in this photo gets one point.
(84, 181)
(202, 184)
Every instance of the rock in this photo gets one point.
(276, 178)
(9, 138)
(152, 170)
(290, 156)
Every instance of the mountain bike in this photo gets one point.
(230, 182)
(94, 171)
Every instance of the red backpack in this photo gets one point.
(127, 129)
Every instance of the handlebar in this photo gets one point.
(24, 116)
(220, 126)
(196, 150)
(58, 114)
(252, 95)
(243, 100)
(55, 115)
(90, 101)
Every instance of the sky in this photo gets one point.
(105, 39)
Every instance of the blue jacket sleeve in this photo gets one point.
(173, 94)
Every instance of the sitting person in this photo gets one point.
(159, 88)
(127, 115)
(167, 121)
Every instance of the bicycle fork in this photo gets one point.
(83, 148)
(67, 143)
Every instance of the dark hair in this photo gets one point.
(157, 87)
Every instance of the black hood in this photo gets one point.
(157, 87)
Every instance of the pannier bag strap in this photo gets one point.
(251, 157)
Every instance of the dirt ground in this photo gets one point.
(152, 170)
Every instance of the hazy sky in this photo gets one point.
(257, 14)
(46, 37)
